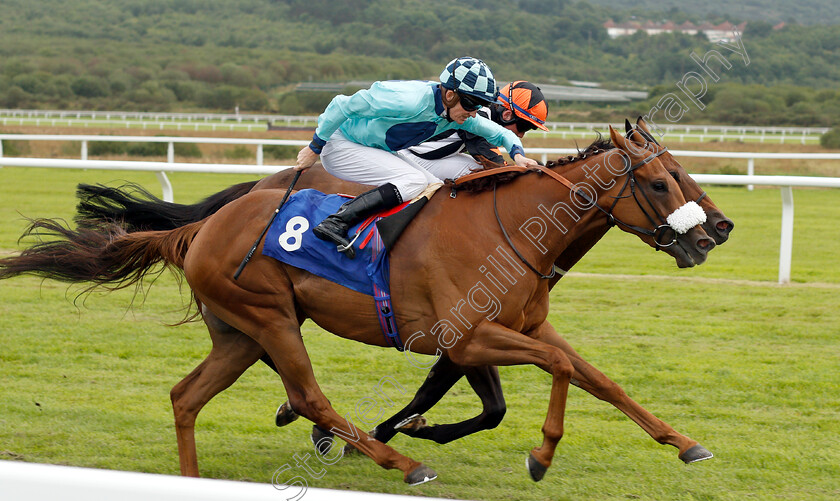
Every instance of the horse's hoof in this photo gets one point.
(322, 439)
(535, 468)
(420, 475)
(285, 415)
(696, 453)
(411, 423)
(349, 450)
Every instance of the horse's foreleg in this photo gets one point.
(495, 344)
(230, 356)
(593, 381)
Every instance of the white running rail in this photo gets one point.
(786, 183)
(21, 481)
(709, 130)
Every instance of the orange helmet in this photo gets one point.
(526, 101)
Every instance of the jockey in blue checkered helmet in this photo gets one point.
(358, 138)
(472, 80)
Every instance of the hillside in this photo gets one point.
(213, 54)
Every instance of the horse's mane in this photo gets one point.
(599, 145)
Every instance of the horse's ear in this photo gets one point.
(628, 134)
(629, 146)
(642, 124)
(636, 137)
(617, 139)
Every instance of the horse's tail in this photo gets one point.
(107, 257)
(135, 209)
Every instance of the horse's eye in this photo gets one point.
(660, 186)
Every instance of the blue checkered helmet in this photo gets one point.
(470, 76)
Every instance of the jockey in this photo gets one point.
(359, 138)
(449, 155)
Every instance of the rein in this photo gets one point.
(611, 219)
(515, 250)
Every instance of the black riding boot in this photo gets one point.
(334, 228)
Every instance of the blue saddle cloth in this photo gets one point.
(290, 240)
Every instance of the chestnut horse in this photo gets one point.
(432, 271)
(145, 212)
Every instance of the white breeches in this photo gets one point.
(451, 167)
(354, 162)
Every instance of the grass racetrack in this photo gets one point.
(746, 367)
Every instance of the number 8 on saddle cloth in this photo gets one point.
(291, 241)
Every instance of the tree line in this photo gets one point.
(168, 55)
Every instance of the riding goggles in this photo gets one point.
(470, 103)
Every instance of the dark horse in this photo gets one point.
(142, 211)
(434, 266)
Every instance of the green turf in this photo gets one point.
(748, 369)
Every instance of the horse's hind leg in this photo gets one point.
(593, 381)
(278, 332)
(232, 353)
(442, 376)
(483, 380)
(409, 420)
(486, 384)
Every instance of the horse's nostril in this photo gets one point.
(705, 244)
(724, 226)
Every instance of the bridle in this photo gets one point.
(649, 138)
(660, 229)
(657, 233)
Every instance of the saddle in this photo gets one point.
(290, 240)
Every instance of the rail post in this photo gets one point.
(165, 184)
(750, 171)
(786, 246)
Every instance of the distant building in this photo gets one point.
(581, 83)
(688, 28)
(722, 32)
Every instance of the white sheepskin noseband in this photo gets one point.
(686, 217)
